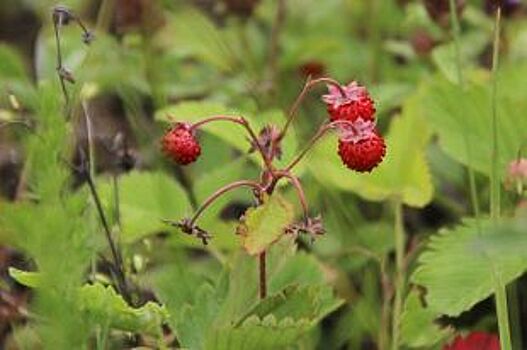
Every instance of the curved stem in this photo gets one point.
(307, 86)
(243, 122)
(220, 192)
(299, 191)
(321, 131)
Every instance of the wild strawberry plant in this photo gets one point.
(388, 214)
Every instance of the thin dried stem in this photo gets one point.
(321, 131)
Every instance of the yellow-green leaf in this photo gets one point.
(263, 225)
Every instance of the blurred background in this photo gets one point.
(151, 59)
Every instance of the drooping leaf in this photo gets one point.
(418, 327)
(460, 265)
(265, 224)
(145, 198)
(404, 172)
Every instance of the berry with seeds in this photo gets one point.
(364, 155)
(180, 144)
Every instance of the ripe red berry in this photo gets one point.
(180, 144)
(475, 341)
(364, 155)
(356, 103)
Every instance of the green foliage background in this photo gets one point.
(183, 62)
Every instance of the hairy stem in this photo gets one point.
(296, 105)
(318, 135)
(399, 272)
(295, 181)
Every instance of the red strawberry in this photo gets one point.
(180, 144)
(475, 341)
(356, 103)
(363, 155)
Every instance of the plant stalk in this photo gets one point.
(502, 309)
(263, 274)
(399, 272)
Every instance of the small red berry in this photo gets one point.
(475, 341)
(356, 103)
(180, 144)
(364, 155)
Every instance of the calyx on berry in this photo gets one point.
(354, 104)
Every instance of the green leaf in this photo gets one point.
(471, 45)
(418, 327)
(459, 267)
(403, 173)
(462, 117)
(278, 320)
(145, 198)
(25, 278)
(265, 224)
(102, 305)
(297, 303)
(256, 333)
(228, 313)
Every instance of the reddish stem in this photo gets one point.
(299, 191)
(243, 122)
(263, 280)
(221, 191)
(307, 86)
(321, 131)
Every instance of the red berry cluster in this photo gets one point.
(180, 144)
(361, 148)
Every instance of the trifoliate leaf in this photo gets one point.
(265, 224)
